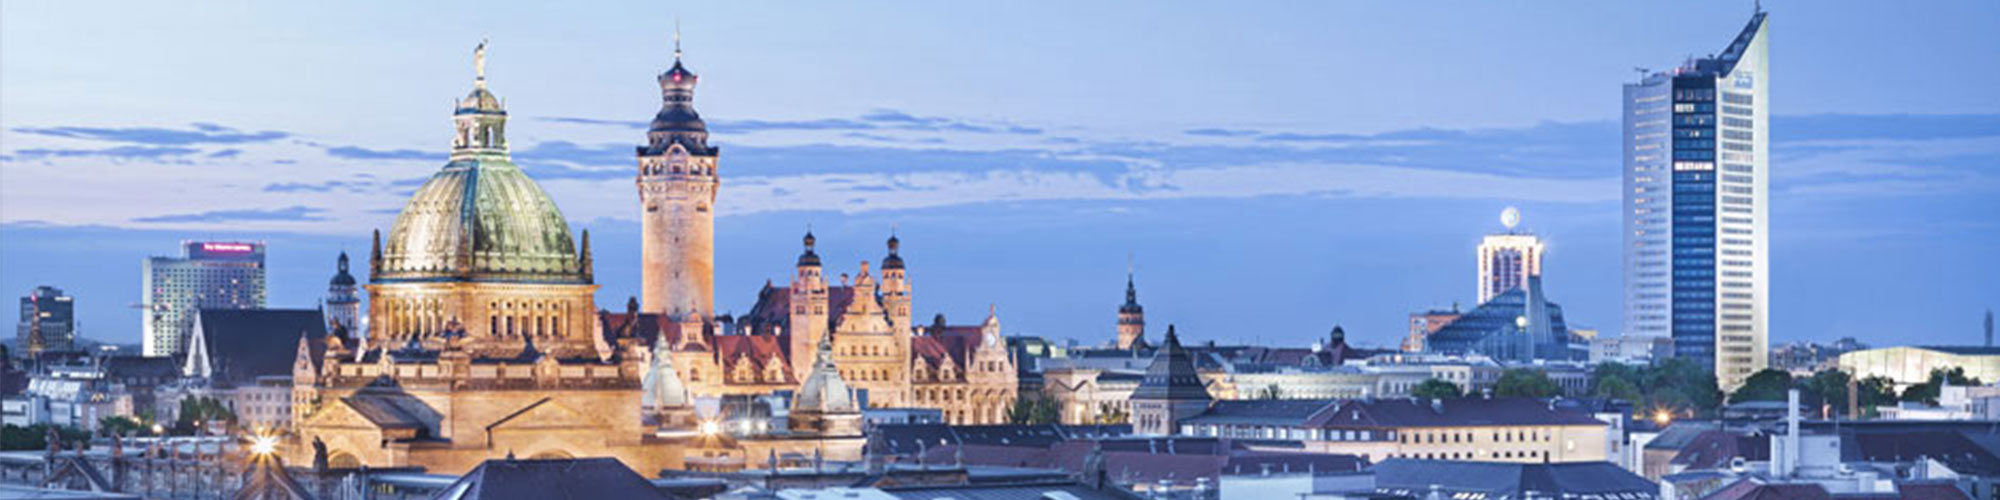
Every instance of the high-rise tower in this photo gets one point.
(48, 321)
(208, 275)
(1697, 206)
(1507, 260)
(677, 183)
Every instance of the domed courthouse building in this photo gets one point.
(486, 340)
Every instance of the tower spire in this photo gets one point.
(677, 39)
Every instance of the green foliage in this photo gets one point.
(1526, 383)
(1436, 389)
(120, 425)
(1674, 384)
(1034, 411)
(35, 437)
(1271, 392)
(1928, 391)
(1765, 385)
(198, 411)
(1608, 386)
(1108, 414)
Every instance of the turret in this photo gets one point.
(896, 289)
(1131, 318)
(809, 309)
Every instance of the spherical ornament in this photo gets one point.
(1510, 217)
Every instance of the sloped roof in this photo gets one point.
(1277, 412)
(1172, 375)
(508, 479)
(1511, 480)
(1714, 449)
(1459, 412)
(390, 410)
(243, 344)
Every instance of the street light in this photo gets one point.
(263, 445)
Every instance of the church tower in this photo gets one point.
(343, 300)
(896, 291)
(808, 316)
(677, 184)
(1171, 391)
(1131, 318)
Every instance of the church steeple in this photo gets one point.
(1131, 317)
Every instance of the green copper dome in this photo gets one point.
(481, 218)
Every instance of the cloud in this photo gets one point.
(883, 119)
(225, 153)
(361, 153)
(292, 213)
(202, 133)
(593, 121)
(1220, 132)
(117, 152)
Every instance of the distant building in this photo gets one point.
(208, 275)
(1131, 318)
(1697, 210)
(1170, 392)
(232, 347)
(1407, 478)
(343, 300)
(1472, 429)
(1520, 325)
(1423, 324)
(48, 321)
(1806, 358)
(1630, 349)
(1507, 260)
(1910, 365)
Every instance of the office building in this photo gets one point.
(48, 321)
(1507, 260)
(1697, 206)
(207, 275)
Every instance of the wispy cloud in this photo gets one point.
(361, 153)
(117, 152)
(292, 213)
(199, 133)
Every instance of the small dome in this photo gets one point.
(809, 258)
(824, 391)
(480, 100)
(341, 278)
(895, 258)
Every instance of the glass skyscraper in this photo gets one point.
(1697, 206)
(209, 275)
(48, 321)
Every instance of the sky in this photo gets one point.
(1269, 170)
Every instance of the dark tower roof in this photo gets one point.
(1172, 375)
(677, 122)
(809, 258)
(341, 277)
(895, 258)
(1131, 297)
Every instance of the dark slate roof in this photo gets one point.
(244, 344)
(1678, 434)
(506, 479)
(126, 367)
(392, 409)
(1009, 491)
(1172, 375)
(1750, 489)
(902, 439)
(1276, 412)
(1458, 412)
(1511, 480)
(1965, 452)
(1714, 449)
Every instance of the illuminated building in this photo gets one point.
(208, 275)
(1697, 207)
(48, 321)
(484, 332)
(1507, 260)
(343, 300)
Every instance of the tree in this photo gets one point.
(1432, 388)
(1927, 392)
(1109, 414)
(1526, 383)
(1271, 392)
(1826, 389)
(1033, 411)
(1875, 390)
(120, 425)
(1613, 387)
(35, 437)
(1765, 385)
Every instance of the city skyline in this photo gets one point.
(1045, 190)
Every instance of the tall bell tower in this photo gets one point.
(677, 185)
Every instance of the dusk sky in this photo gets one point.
(1271, 169)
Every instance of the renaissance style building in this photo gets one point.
(484, 328)
(889, 360)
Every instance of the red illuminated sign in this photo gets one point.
(228, 247)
